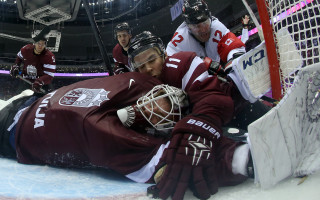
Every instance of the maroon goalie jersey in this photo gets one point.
(77, 125)
(40, 66)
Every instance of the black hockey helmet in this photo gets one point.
(42, 35)
(121, 27)
(195, 11)
(142, 42)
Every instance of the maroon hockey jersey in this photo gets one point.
(77, 125)
(120, 58)
(212, 105)
(40, 66)
(208, 95)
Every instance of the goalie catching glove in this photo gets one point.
(189, 161)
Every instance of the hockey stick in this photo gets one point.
(29, 82)
(270, 100)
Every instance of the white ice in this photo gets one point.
(18, 181)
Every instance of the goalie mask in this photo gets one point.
(143, 42)
(161, 108)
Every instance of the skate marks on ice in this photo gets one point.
(288, 189)
(19, 181)
(31, 182)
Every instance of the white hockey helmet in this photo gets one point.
(149, 108)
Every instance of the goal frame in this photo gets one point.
(291, 30)
(274, 66)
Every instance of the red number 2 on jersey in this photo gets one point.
(219, 34)
(174, 42)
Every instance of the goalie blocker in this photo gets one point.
(250, 72)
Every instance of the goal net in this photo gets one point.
(291, 31)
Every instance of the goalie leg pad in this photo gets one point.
(286, 140)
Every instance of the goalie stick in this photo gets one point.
(29, 82)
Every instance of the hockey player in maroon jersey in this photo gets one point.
(122, 33)
(184, 69)
(39, 64)
(213, 101)
(81, 125)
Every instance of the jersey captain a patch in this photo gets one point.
(84, 97)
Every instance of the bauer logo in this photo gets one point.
(204, 126)
(84, 97)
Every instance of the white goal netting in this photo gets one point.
(296, 26)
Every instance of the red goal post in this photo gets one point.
(291, 30)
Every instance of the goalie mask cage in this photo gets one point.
(291, 30)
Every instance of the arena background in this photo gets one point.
(78, 50)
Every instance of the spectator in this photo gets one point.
(245, 30)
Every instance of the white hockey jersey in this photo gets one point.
(222, 43)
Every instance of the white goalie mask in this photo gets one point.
(161, 107)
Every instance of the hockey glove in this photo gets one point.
(14, 71)
(189, 161)
(120, 68)
(214, 68)
(37, 85)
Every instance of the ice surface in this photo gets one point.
(18, 181)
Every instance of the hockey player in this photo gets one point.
(214, 102)
(78, 125)
(245, 31)
(205, 35)
(183, 70)
(39, 64)
(122, 33)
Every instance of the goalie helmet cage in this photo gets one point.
(291, 30)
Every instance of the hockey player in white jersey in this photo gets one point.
(210, 39)
(204, 34)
